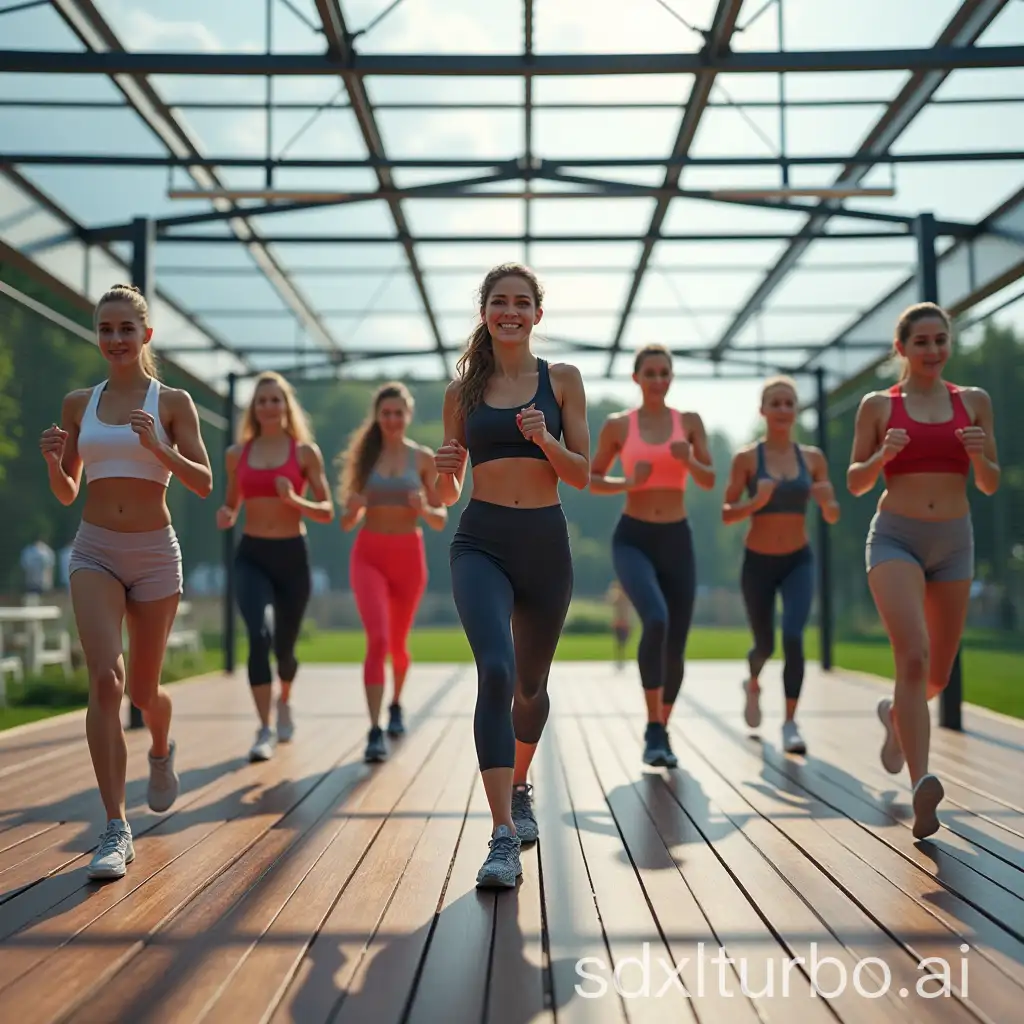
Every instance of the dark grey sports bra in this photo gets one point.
(393, 490)
(789, 495)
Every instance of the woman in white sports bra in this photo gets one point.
(129, 434)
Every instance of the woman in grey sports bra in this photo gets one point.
(779, 477)
(387, 485)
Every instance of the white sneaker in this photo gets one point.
(115, 852)
(792, 741)
(752, 711)
(263, 748)
(163, 781)
(892, 752)
(285, 724)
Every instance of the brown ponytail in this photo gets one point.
(364, 447)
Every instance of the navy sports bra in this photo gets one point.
(789, 495)
(493, 433)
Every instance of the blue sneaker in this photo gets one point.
(396, 727)
(655, 742)
(376, 750)
(502, 867)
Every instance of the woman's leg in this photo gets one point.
(255, 596)
(370, 589)
(408, 580)
(292, 588)
(757, 584)
(149, 625)
(677, 577)
(945, 611)
(797, 591)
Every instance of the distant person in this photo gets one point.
(521, 423)
(129, 434)
(659, 449)
(779, 477)
(269, 471)
(923, 435)
(621, 623)
(388, 483)
(37, 565)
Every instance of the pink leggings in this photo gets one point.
(388, 574)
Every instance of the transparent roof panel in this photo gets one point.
(604, 133)
(613, 89)
(422, 26)
(37, 28)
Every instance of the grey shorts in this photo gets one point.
(147, 565)
(943, 548)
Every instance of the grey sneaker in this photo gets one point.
(502, 867)
(928, 794)
(522, 813)
(163, 781)
(752, 709)
(115, 852)
(792, 741)
(892, 752)
(376, 749)
(263, 748)
(285, 725)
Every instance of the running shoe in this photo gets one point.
(376, 750)
(163, 781)
(502, 867)
(522, 813)
(116, 851)
(670, 758)
(892, 752)
(928, 794)
(654, 745)
(285, 723)
(263, 748)
(752, 709)
(792, 741)
(396, 727)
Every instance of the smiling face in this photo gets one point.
(926, 347)
(392, 417)
(270, 406)
(778, 407)
(654, 376)
(122, 333)
(511, 311)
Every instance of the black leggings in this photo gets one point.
(656, 567)
(792, 576)
(272, 572)
(512, 581)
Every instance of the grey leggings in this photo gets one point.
(512, 581)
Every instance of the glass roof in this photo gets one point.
(564, 171)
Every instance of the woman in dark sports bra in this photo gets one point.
(779, 477)
(387, 483)
(523, 425)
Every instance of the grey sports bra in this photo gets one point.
(393, 490)
(790, 495)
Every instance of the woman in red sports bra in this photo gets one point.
(924, 435)
(652, 548)
(269, 470)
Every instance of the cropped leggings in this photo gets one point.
(388, 574)
(512, 580)
(792, 576)
(655, 565)
(272, 573)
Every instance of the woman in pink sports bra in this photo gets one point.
(652, 548)
(269, 471)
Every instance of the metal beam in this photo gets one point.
(89, 25)
(923, 59)
(340, 48)
(716, 44)
(963, 30)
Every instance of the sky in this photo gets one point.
(690, 289)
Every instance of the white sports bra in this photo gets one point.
(114, 450)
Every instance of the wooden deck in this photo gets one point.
(313, 888)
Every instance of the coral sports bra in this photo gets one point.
(114, 449)
(933, 447)
(259, 482)
(667, 472)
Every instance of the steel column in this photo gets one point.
(824, 550)
(229, 543)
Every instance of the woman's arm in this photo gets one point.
(980, 442)
(352, 511)
(734, 510)
(321, 508)
(186, 457)
(451, 458)
(867, 458)
(432, 509)
(698, 458)
(821, 486)
(227, 514)
(609, 444)
(571, 459)
(59, 446)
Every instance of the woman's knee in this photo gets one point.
(912, 661)
(106, 687)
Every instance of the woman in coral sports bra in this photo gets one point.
(924, 435)
(269, 470)
(652, 548)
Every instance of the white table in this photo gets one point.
(33, 616)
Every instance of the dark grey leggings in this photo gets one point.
(512, 581)
(655, 565)
(762, 578)
(272, 572)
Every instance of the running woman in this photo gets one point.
(268, 471)
(779, 477)
(130, 435)
(388, 483)
(924, 435)
(659, 448)
(508, 412)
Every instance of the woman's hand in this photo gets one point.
(51, 444)
(450, 458)
(226, 517)
(532, 424)
(682, 451)
(145, 426)
(285, 491)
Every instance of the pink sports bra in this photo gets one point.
(667, 472)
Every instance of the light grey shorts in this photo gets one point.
(943, 548)
(147, 565)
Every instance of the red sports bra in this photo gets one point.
(257, 482)
(933, 447)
